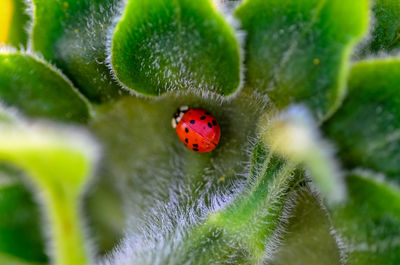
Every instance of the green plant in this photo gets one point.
(307, 96)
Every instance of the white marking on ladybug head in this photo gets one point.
(184, 108)
(173, 123)
(179, 118)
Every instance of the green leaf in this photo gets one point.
(385, 35)
(7, 115)
(39, 90)
(163, 45)
(147, 155)
(9, 260)
(20, 233)
(72, 34)
(307, 238)
(147, 161)
(253, 219)
(242, 232)
(14, 21)
(58, 162)
(370, 221)
(366, 128)
(298, 51)
(295, 135)
(105, 214)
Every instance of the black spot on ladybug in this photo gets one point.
(208, 113)
(195, 145)
(186, 130)
(209, 125)
(202, 117)
(186, 140)
(214, 122)
(195, 149)
(192, 121)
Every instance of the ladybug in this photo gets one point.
(197, 129)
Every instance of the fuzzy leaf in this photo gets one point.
(147, 156)
(105, 214)
(298, 51)
(242, 232)
(307, 237)
(39, 90)
(385, 35)
(58, 162)
(294, 134)
(252, 219)
(164, 45)
(13, 21)
(20, 233)
(370, 221)
(152, 165)
(367, 126)
(72, 34)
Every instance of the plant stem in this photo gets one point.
(255, 215)
(67, 233)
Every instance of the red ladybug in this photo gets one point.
(197, 129)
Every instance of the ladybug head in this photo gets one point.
(178, 115)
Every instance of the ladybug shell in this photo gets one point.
(199, 130)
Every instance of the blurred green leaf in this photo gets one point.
(72, 34)
(14, 20)
(163, 45)
(385, 34)
(298, 51)
(58, 162)
(307, 238)
(9, 260)
(367, 126)
(105, 214)
(7, 115)
(295, 135)
(369, 222)
(39, 90)
(20, 233)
